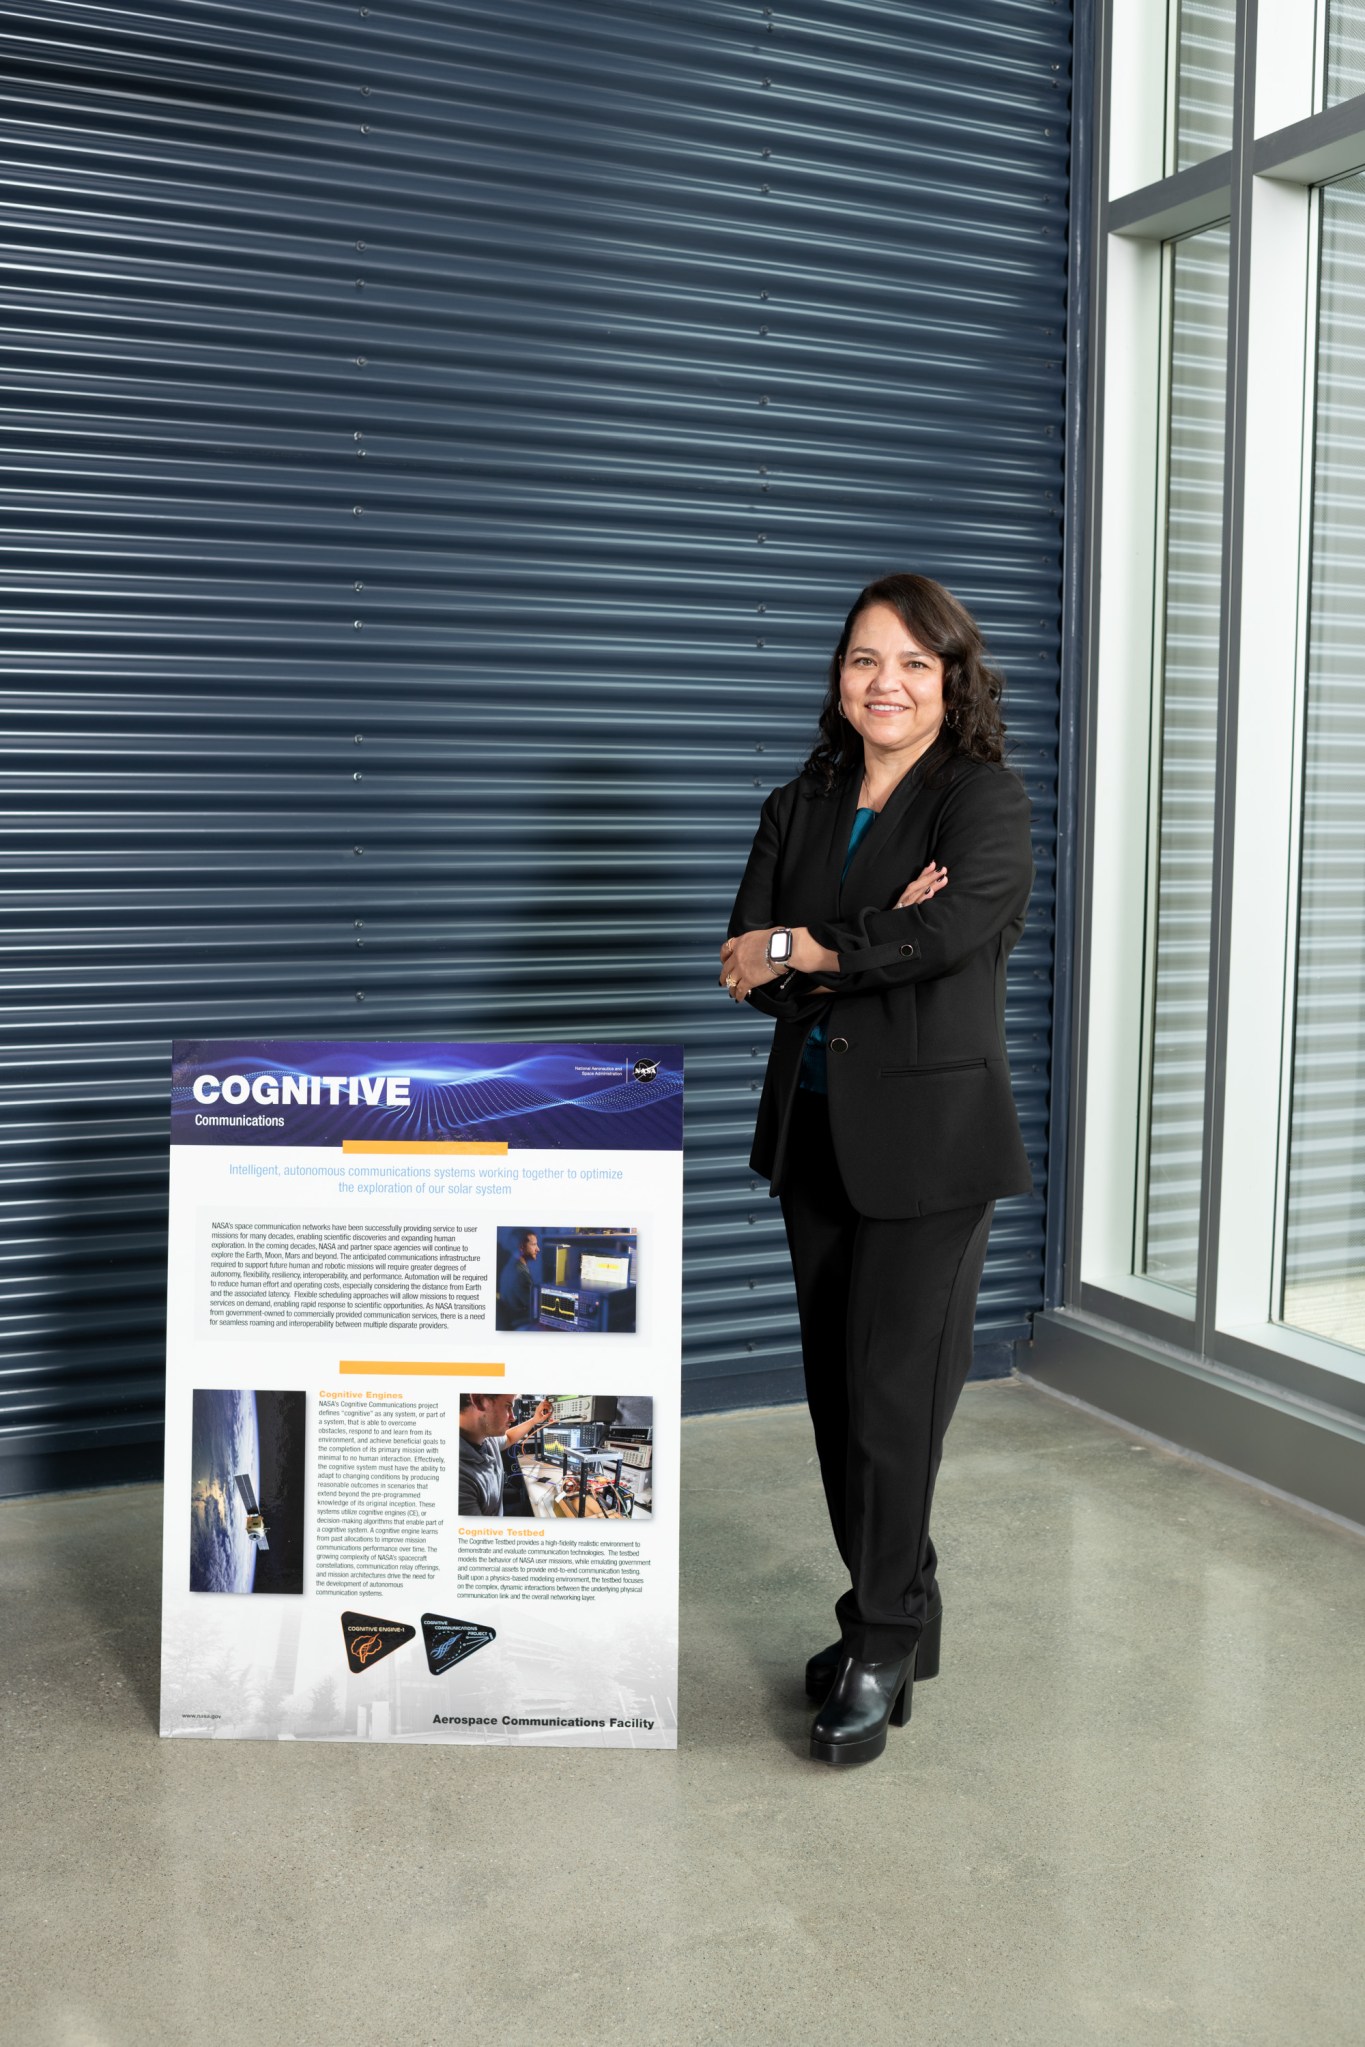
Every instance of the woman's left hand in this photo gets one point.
(744, 963)
(927, 883)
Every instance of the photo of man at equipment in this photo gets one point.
(583, 1457)
(567, 1279)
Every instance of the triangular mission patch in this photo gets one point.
(369, 1640)
(450, 1641)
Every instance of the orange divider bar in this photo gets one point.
(402, 1368)
(495, 1148)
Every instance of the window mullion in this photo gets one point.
(1234, 520)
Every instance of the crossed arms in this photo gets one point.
(931, 929)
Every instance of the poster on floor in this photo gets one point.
(423, 1393)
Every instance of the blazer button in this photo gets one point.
(838, 1044)
(907, 951)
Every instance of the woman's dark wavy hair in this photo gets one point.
(972, 689)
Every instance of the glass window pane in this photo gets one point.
(1324, 1289)
(1180, 884)
(1204, 37)
(1345, 50)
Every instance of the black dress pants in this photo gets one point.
(887, 1312)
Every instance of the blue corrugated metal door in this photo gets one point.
(444, 440)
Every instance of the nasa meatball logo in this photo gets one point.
(646, 1069)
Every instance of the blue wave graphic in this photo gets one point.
(532, 1097)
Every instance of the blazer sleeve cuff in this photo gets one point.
(860, 957)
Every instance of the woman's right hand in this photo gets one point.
(927, 883)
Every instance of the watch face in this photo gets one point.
(780, 946)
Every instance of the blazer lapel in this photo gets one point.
(841, 815)
(878, 833)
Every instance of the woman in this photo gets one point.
(887, 1126)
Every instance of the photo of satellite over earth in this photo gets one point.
(247, 1490)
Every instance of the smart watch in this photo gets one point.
(780, 945)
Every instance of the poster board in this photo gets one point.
(423, 1393)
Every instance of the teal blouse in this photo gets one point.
(815, 1057)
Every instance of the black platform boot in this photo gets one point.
(823, 1667)
(865, 1700)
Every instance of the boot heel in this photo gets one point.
(927, 1648)
(867, 1698)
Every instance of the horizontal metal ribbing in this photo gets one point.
(442, 446)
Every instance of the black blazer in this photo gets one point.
(920, 1106)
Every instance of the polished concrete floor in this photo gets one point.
(1130, 1809)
